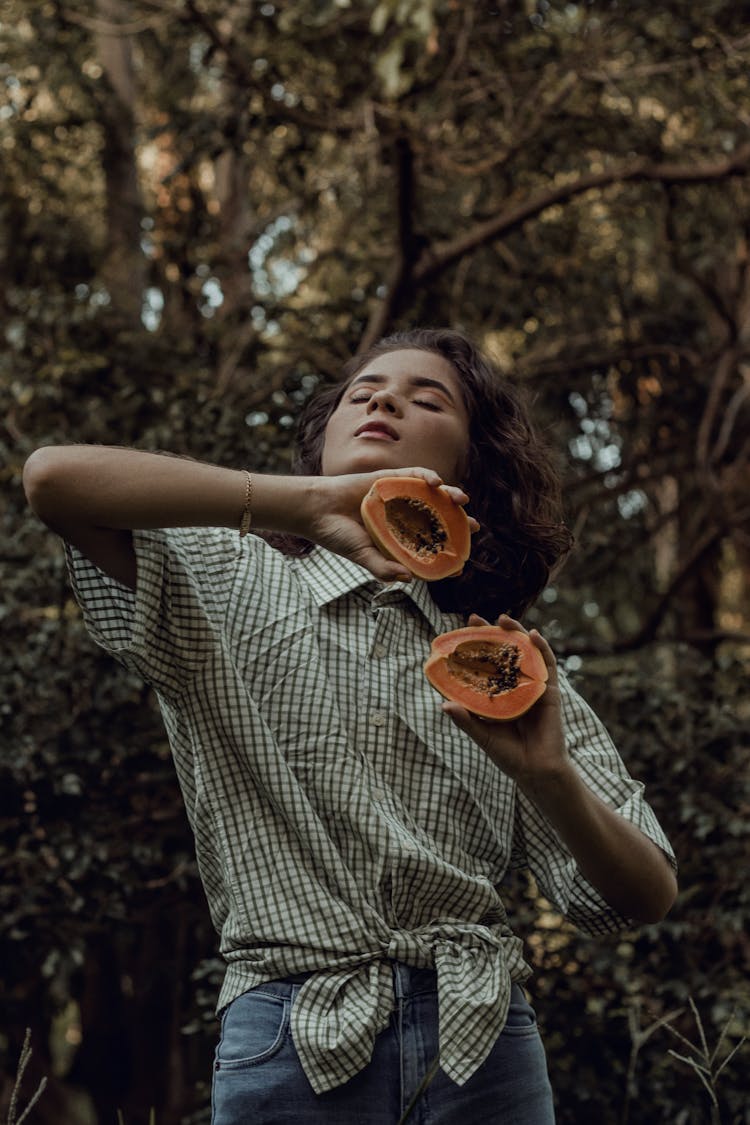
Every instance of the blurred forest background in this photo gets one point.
(206, 207)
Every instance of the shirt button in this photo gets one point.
(378, 794)
(378, 718)
(379, 650)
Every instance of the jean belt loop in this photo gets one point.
(294, 993)
(400, 985)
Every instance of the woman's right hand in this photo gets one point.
(334, 521)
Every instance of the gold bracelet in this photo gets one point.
(246, 513)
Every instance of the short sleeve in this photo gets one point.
(536, 844)
(165, 629)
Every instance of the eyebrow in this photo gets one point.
(414, 381)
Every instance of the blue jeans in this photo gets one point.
(258, 1079)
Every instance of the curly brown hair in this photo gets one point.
(513, 488)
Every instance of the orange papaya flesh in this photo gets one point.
(418, 526)
(493, 672)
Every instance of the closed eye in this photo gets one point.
(417, 402)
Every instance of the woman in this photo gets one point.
(351, 829)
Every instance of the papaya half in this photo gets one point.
(417, 525)
(493, 672)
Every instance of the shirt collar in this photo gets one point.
(330, 576)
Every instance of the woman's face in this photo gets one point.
(404, 409)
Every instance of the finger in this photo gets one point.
(386, 570)
(428, 475)
(456, 494)
(480, 730)
(460, 716)
(475, 619)
(474, 525)
(508, 622)
(549, 657)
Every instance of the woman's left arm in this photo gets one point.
(630, 872)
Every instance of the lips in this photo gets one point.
(377, 428)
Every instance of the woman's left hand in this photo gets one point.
(532, 747)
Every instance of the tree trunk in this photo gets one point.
(232, 175)
(123, 269)
(696, 604)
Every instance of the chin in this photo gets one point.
(363, 461)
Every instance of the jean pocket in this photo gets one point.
(253, 1029)
(521, 1016)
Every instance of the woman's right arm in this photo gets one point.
(94, 495)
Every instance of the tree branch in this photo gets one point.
(648, 629)
(402, 267)
(637, 474)
(726, 364)
(442, 254)
(542, 107)
(698, 637)
(684, 267)
(240, 69)
(542, 369)
(728, 423)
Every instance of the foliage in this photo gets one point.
(705, 1062)
(13, 1118)
(206, 208)
(681, 729)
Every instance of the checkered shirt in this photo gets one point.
(341, 820)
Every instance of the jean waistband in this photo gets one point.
(407, 981)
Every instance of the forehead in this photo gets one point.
(408, 363)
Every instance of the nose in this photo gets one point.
(384, 400)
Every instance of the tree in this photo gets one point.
(206, 208)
